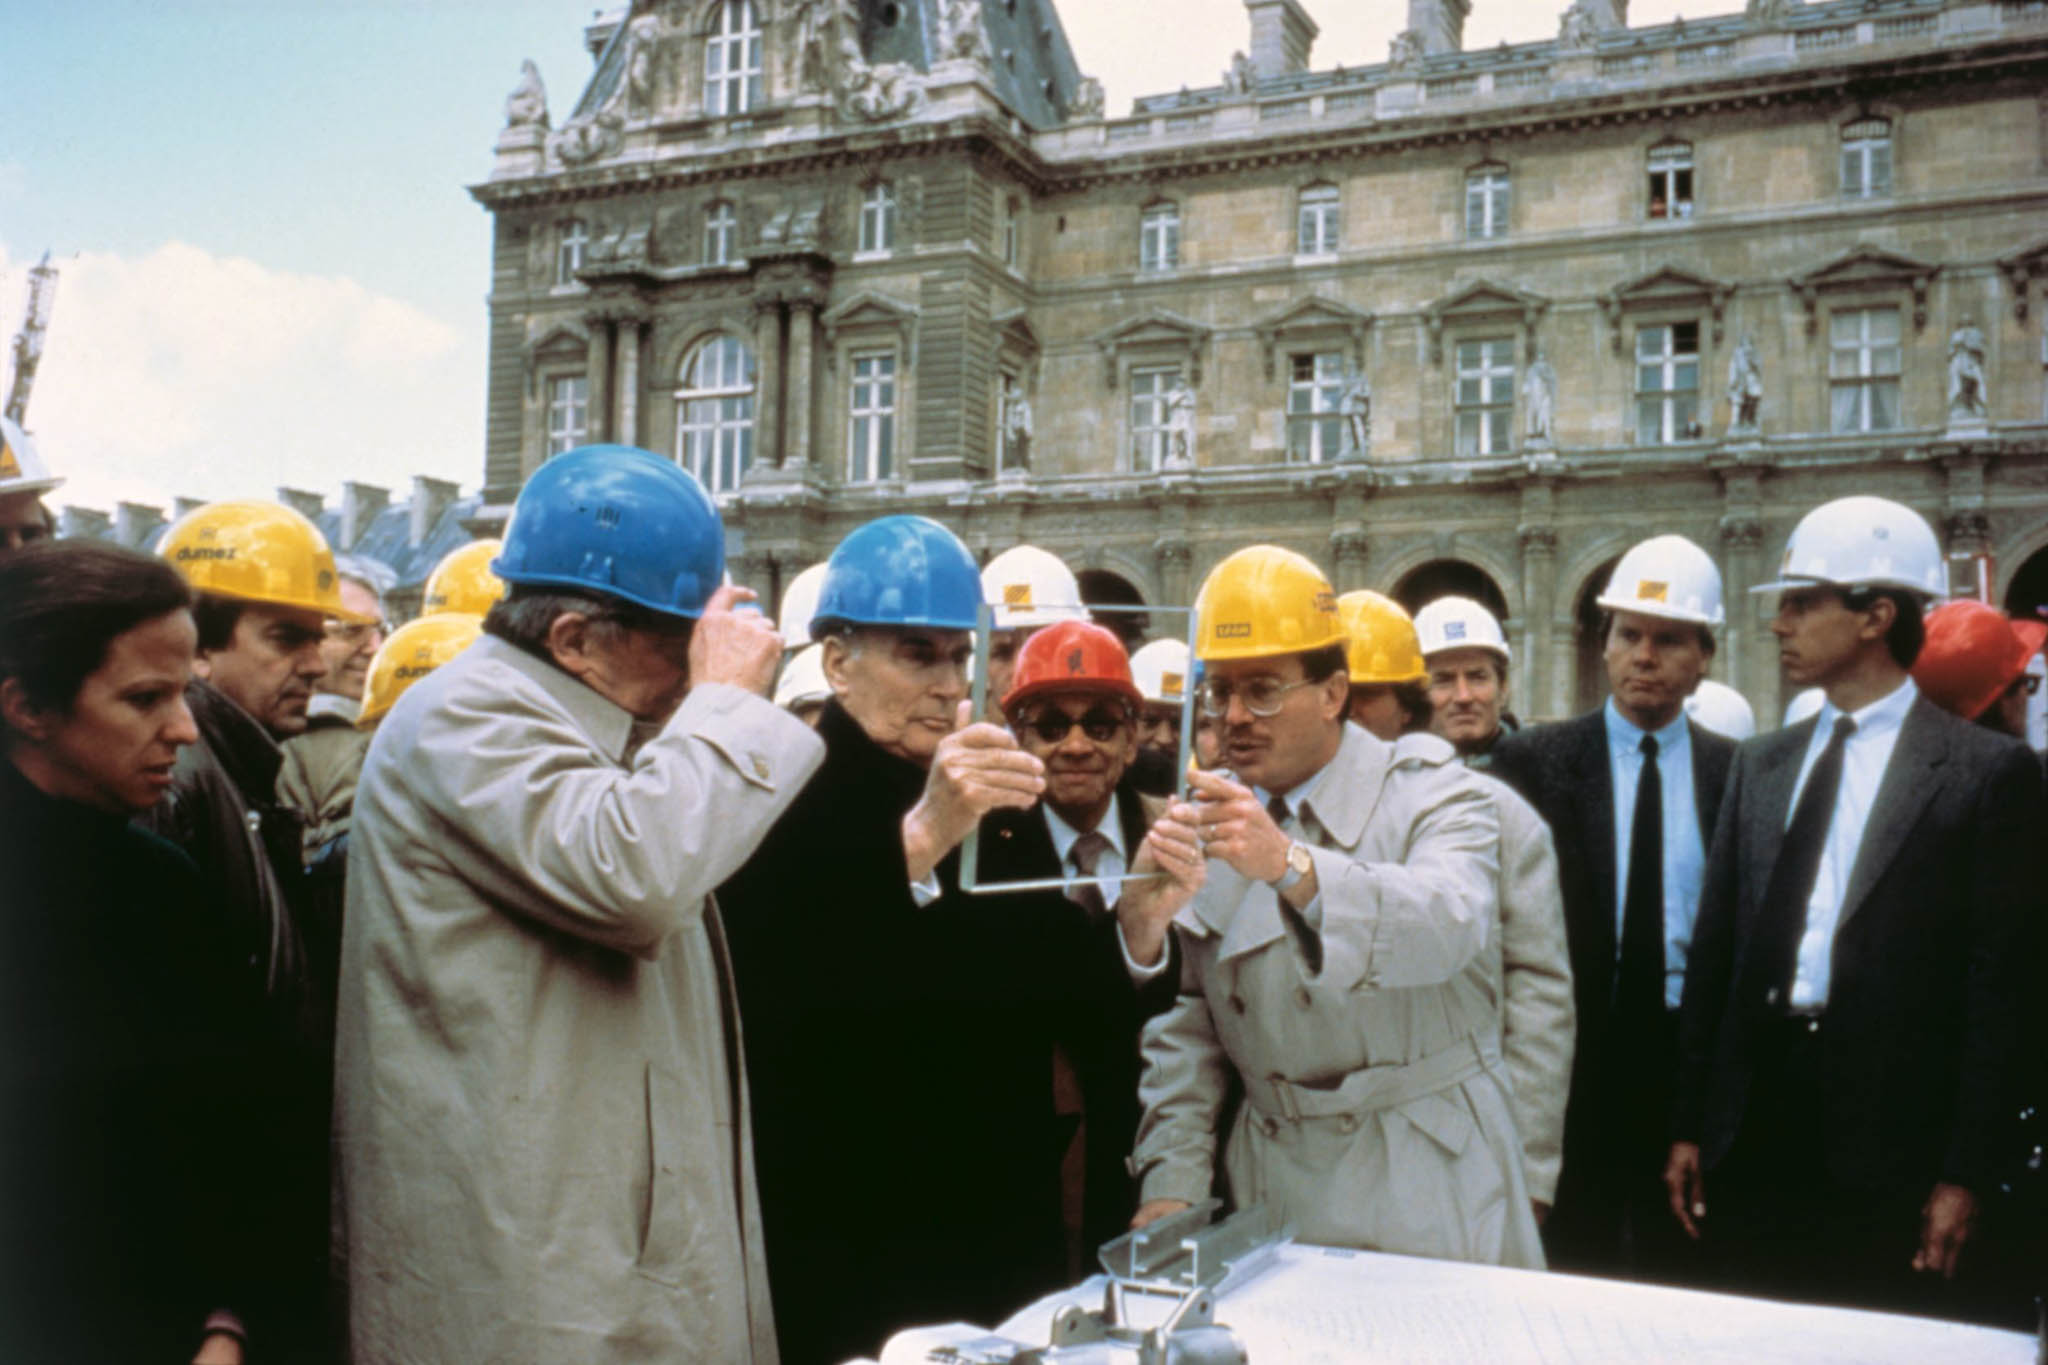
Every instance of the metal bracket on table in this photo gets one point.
(1183, 1260)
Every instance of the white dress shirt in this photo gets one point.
(1865, 756)
(1109, 864)
(1685, 857)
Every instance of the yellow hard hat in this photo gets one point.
(1382, 641)
(414, 650)
(463, 580)
(257, 552)
(1264, 601)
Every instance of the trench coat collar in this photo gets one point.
(1246, 914)
(609, 726)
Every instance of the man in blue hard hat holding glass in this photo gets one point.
(900, 1034)
(543, 1135)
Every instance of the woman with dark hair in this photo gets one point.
(120, 1225)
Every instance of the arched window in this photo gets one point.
(732, 60)
(1867, 158)
(721, 230)
(715, 413)
(878, 217)
(1486, 202)
(1318, 222)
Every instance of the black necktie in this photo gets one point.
(1639, 991)
(1277, 808)
(1086, 852)
(1798, 863)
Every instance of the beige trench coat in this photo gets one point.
(1376, 1106)
(543, 1145)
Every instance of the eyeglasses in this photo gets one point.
(355, 633)
(1054, 726)
(2030, 683)
(1261, 696)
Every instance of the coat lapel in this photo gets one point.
(1594, 790)
(1777, 770)
(1909, 783)
(1710, 758)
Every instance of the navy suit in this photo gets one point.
(1615, 1135)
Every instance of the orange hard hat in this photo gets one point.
(1072, 656)
(1973, 653)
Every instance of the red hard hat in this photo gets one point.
(1072, 656)
(1973, 653)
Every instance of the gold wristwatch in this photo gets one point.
(1299, 865)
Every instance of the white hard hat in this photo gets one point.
(1804, 706)
(1459, 623)
(799, 605)
(1721, 709)
(1161, 671)
(803, 679)
(21, 465)
(1666, 576)
(1030, 587)
(1862, 542)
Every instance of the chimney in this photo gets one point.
(307, 505)
(1440, 22)
(360, 504)
(1282, 34)
(180, 506)
(430, 498)
(82, 523)
(133, 521)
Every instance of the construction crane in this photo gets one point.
(28, 342)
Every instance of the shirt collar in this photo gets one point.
(1623, 733)
(1064, 834)
(1300, 795)
(1886, 713)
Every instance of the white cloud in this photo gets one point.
(183, 372)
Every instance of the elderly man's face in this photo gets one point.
(22, 520)
(1086, 740)
(904, 687)
(1466, 687)
(350, 646)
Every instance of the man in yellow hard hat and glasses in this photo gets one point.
(1338, 958)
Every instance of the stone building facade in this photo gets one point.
(1467, 321)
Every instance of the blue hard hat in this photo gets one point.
(899, 571)
(616, 520)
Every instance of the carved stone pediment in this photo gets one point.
(1014, 329)
(1159, 331)
(1869, 268)
(1309, 318)
(2021, 269)
(874, 314)
(1666, 287)
(565, 339)
(1483, 302)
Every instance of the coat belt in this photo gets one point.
(1373, 1088)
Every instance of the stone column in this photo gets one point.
(1967, 529)
(1174, 555)
(628, 396)
(1350, 553)
(1749, 663)
(767, 383)
(598, 370)
(1543, 683)
(801, 420)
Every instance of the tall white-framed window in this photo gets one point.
(1667, 383)
(1315, 395)
(1486, 202)
(721, 233)
(1867, 158)
(568, 413)
(1671, 180)
(1013, 231)
(1863, 370)
(715, 412)
(1159, 239)
(1485, 395)
(871, 418)
(1319, 221)
(732, 60)
(569, 248)
(878, 217)
(1149, 429)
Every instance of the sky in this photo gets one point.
(271, 270)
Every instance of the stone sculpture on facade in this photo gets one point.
(1745, 386)
(1016, 428)
(1087, 101)
(1405, 53)
(1967, 400)
(815, 21)
(1539, 400)
(873, 92)
(1240, 78)
(1577, 28)
(527, 105)
(1355, 404)
(1767, 11)
(1180, 425)
(961, 37)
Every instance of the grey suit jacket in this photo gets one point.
(1928, 975)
